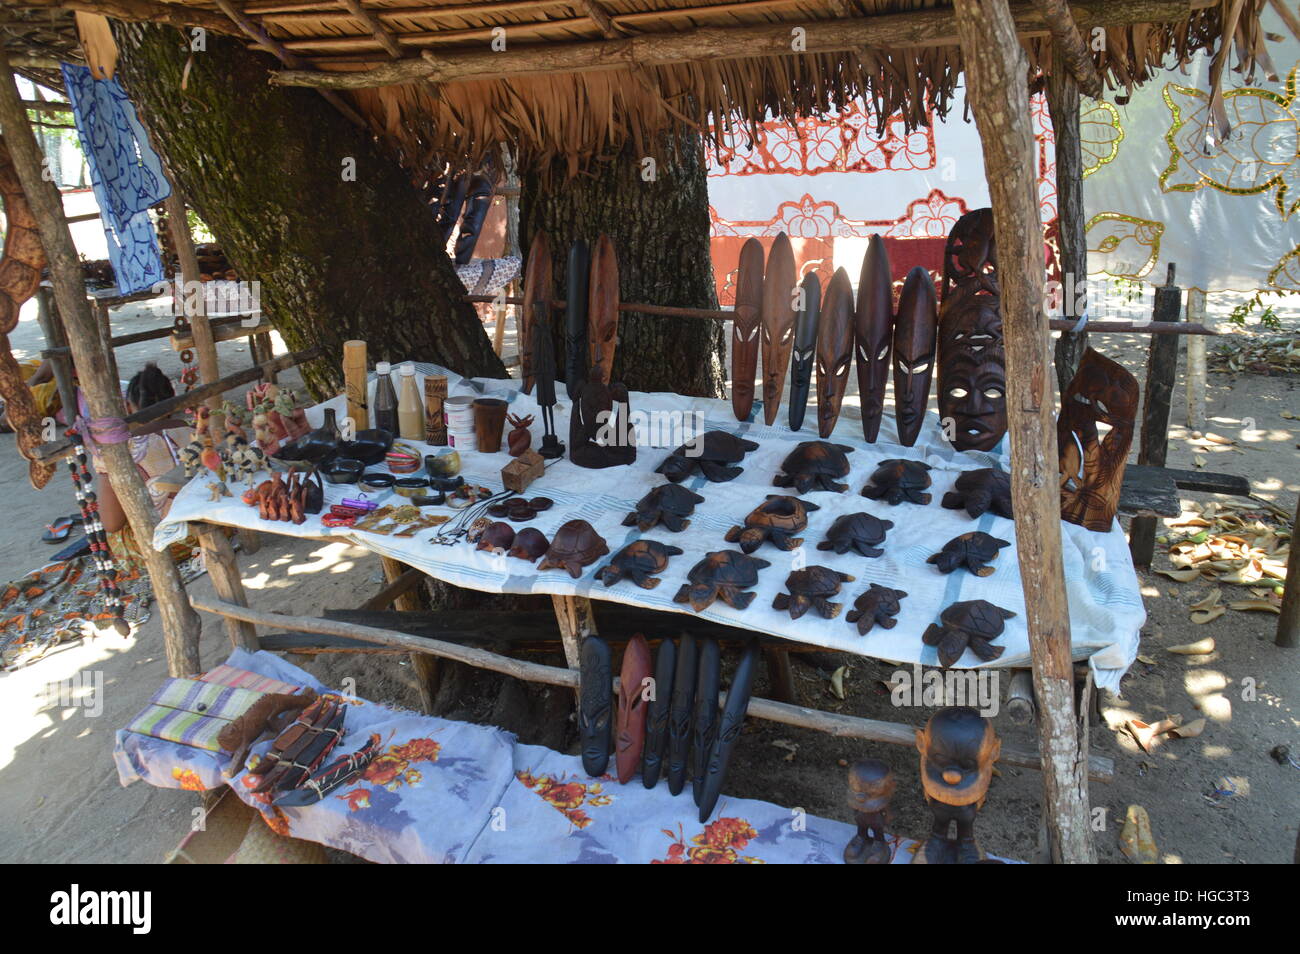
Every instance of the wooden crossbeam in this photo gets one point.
(921, 28)
(1071, 47)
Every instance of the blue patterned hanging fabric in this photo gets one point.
(125, 173)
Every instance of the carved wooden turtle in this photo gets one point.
(879, 605)
(713, 453)
(814, 465)
(497, 538)
(858, 532)
(530, 543)
(668, 504)
(970, 550)
(970, 624)
(811, 588)
(777, 519)
(721, 575)
(897, 480)
(637, 562)
(575, 545)
(980, 491)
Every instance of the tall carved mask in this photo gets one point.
(915, 328)
(972, 363)
(873, 335)
(745, 328)
(834, 350)
(602, 310)
(972, 371)
(1092, 466)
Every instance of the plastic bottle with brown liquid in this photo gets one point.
(385, 406)
(410, 408)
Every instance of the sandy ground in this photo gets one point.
(60, 800)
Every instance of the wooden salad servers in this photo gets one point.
(537, 287)
(779, 292)
(834, 350)
(745, 328)
(873, 335)
(602, 310)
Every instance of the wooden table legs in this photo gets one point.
(219, 556)
(425, 666)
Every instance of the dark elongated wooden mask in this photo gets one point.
(1092, 467)
(779, 292)
(834, 350)
(537, 287)
(745, 328)
(972, 365)
(873, 335)
(914, 344)
(602, 310)
(805, 348)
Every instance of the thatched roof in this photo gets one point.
(579, 78)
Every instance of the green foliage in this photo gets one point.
(1267, 316)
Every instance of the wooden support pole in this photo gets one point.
(919, 28)
(1288, 622)
(1153, 443)
(576, 620)
(1068, 45)
(47, 316)
(1071, 221)
(996, 71)
(194, 307)
(223, 568)
(407, 600)
(1020, 697)
(180, 623)
(1099, 768)
(1197, 372)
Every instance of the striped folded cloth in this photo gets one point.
(244, 679)
(177, 725)
(193, 712)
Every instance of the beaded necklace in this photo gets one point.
(78, 466)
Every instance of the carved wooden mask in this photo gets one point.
(744, 328)
(971, 253)
(958, 748)
(834, 350)
(914, 345)
(632, 708)
(873, 335)
(806, 324)
(537, 287)
(778, 323)
(1092, 466)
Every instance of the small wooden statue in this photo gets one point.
(519, 439)
(958, 748)
(871, 786)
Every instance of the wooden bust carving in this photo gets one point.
(958, 748)
(871, 786)
(1092, 467)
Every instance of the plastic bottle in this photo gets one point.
(410, 409)
(385, 399)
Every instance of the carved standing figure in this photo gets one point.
(958, 748)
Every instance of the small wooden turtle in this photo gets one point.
(575, 545)
(668, 504)
(980, 491)
(811, 588)
(498, 538)
(814, 465)
(777, 519)
(858, 532)
(897, 480)
(530, 543)
(879, 605)
(721, 575)
(636, 562)
(970, 550)
(970, 624)
(713, 453)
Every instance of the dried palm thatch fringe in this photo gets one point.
(580, 117)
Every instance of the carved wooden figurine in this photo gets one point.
(519, 439)
(871, 786)
(958, 748)
(1092, 468)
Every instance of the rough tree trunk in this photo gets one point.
(660, 230)
(270, 171)
(1063, 104)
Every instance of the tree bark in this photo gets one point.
(996, 70)
(1071, 219)
(660, 229)
(338, 255)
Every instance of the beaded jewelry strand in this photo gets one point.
(88, 501)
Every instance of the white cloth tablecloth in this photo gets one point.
(1106, 611)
